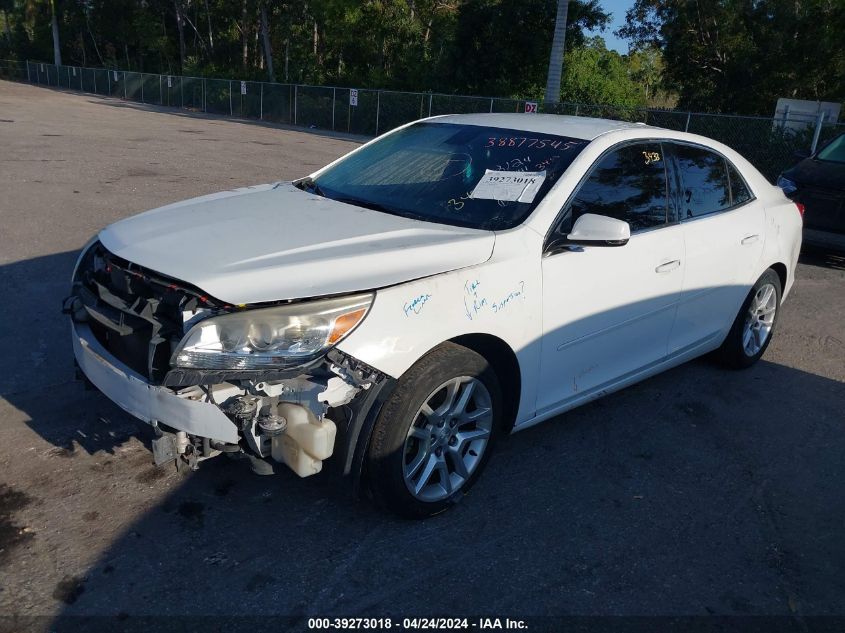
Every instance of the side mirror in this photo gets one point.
(599, 230)
(800, 154)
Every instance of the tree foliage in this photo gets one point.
(741, 55)
(496, 47)
(593, 74)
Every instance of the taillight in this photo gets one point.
(800, 208)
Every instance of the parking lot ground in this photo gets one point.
(697, 492)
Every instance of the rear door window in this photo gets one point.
(703, 181)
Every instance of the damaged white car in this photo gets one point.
(454, 280)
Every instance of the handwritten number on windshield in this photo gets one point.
(519, 141)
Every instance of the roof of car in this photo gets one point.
(561, 125)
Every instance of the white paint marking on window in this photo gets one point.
(509, 186)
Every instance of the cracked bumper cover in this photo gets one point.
(150, 403)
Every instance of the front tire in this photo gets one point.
(753, 327)
(434, 435)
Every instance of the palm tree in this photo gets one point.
(265, 38)
(556, 58)
(57, 49)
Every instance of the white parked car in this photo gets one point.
(454, 280)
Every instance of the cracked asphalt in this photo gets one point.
(698, 492)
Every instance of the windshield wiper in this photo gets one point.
(310, 185)
(375, 206)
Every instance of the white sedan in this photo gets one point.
(456, 279)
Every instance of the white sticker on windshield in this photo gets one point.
(509, 186)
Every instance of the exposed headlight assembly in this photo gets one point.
(271, 338)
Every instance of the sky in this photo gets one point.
(617, 9)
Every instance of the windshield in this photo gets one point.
(835, 152)
(465, 175)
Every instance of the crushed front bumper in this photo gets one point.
(148, 402)
(328, 418)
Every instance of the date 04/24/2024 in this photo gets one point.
(421, 623)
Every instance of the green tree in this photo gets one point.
(594, 74)
(501, 47)
(741, 55)
(495, 47)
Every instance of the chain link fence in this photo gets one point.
(771, 144)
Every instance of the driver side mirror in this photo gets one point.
(599, 230)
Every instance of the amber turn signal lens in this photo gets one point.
(344, 323)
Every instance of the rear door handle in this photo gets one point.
(665, 268)
(750, 239)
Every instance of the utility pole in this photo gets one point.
(556, 57)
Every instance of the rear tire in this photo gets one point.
(754, 326)
(434, 436)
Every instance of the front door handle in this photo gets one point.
(749, 239)
(665, 268)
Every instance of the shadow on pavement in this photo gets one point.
(815, 256)
(671, 497)
(35, 333)
(697, 492)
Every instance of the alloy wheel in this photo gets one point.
(760, 319)
(447, 438)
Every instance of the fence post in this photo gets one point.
(295, 93)
(785, 116)
(142, 88)
(28, 78)
(261, 102)
(124, 84)
(230, 98)
(686, 127)
(108, 81)
(160, 93)
(334, 99)
(203, 94)
(68, 77)
(491, 105)
(94, 72)
(430, 96)
(819, 121)
(181, 93)
(577, 106)
(378, 108)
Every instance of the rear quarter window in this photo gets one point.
(740, 193)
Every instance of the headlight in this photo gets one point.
(787, 185)
(271, 338)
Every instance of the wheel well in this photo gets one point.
(504, 362)
(780, 269)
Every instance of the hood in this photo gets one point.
(276, 242)
(818, 173)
